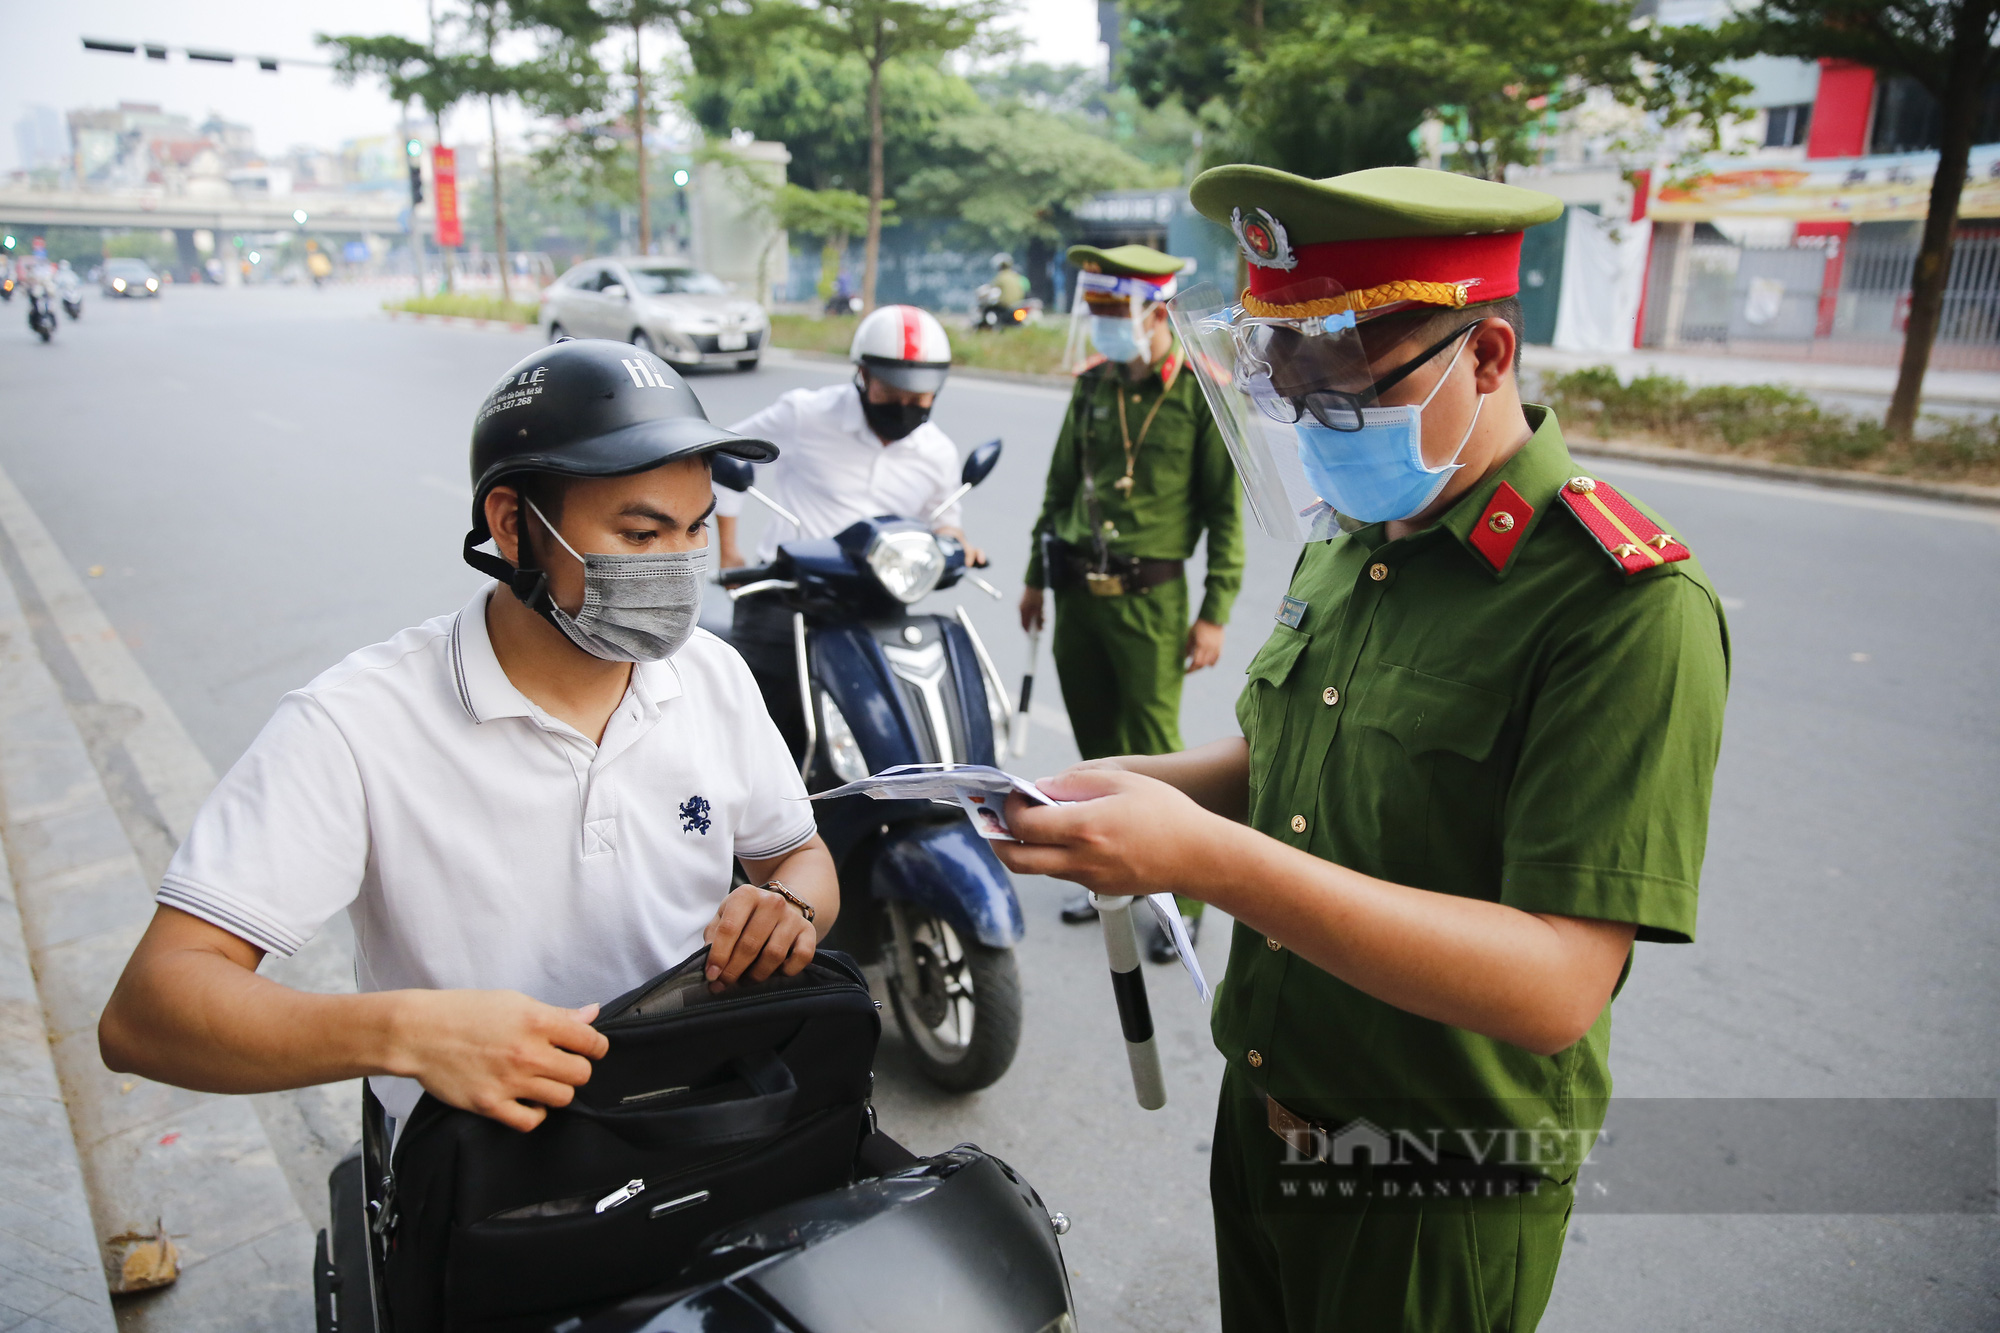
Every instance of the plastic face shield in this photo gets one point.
(1261, 377)
(1101, 303)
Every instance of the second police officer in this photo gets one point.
(1139, 473)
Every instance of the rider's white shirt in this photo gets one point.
(476, 841)
(833, 471)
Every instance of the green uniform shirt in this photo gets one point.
(1542, 735)
(1183, 481)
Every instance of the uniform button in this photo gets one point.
(1501, 522)
(1330, 695)
(1582, 485)
(1256, 1060)
(1298, 823)
(1378, 571)
(1272, 944)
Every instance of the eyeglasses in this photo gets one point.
(1338, 409)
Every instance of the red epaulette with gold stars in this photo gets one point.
(1628, 536)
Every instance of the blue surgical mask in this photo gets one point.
(1115, 336)
(1377, 474)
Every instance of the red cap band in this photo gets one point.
(1491, 264)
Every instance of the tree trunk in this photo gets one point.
(499, 213)
(873, 249)
(639, 138)
(1960, 107)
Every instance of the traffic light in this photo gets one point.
(416, 185)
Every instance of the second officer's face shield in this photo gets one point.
(1264, 379)
(1112, 316)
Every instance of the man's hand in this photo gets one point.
(1204, 645)
(496, 1052)
(1129, 834)
(756, 932)
(1031, 609)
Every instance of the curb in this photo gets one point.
(1832, 478)
(96, 781)
(1062, 382)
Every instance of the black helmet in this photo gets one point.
(586, 407)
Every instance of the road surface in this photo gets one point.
(253, 483)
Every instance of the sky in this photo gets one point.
(47, 65)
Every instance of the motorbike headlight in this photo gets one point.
(907, 563)
(842, 750)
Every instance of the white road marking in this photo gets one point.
(1805, 490)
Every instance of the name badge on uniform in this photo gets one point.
(1291, 612)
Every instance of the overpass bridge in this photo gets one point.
(221, 211)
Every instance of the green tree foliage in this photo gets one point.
(1003, 154)
(1331, 87)
(561, 77)
(1947, 46)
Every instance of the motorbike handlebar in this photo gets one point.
(729, 578)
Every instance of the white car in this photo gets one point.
(686, 317)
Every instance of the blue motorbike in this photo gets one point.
(923, 897)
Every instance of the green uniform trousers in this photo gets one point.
(1120, 660)
(1453, 1265)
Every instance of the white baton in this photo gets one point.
(1128, 985)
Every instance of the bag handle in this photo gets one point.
(761, 1115)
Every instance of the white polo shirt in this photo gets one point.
(476, 841)
(832, 471)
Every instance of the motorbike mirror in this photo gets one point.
(730, 472)
(979, 463)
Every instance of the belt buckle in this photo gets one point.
(1294, 1129)
(1104, 585)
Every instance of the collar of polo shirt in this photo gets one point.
(487, 694)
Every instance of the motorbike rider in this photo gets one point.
(526, 806)
(850, 451)
(1013, 288)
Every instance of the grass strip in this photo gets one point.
(1770, 422)
(466, 306)
(1036, 349)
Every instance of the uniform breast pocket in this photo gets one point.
(1260, 709)
(1423, 755)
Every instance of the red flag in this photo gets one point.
(444, 188)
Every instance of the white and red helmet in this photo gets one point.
(903, 347)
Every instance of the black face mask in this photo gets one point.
(892, 421)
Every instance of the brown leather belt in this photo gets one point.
(1072, 567)
(1299, 1134)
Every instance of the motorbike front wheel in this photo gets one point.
(962, 1011)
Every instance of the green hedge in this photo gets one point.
(1768, 421)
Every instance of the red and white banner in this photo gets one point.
(444, 189)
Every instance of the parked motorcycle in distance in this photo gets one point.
(41, 310)
(923, 895)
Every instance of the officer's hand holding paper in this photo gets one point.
(982, 791)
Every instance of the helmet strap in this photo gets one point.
(524, 580)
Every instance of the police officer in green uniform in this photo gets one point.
(1138, 474)
(1475, 767)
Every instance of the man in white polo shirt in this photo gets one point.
(851, 452)
(526, 807)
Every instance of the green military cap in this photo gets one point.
(1127, 261)
(1388, 236)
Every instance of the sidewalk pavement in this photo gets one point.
(93, 784)
(1867, 387)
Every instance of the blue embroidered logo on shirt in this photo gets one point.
(694, 815)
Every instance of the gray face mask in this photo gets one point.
(636, 608)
